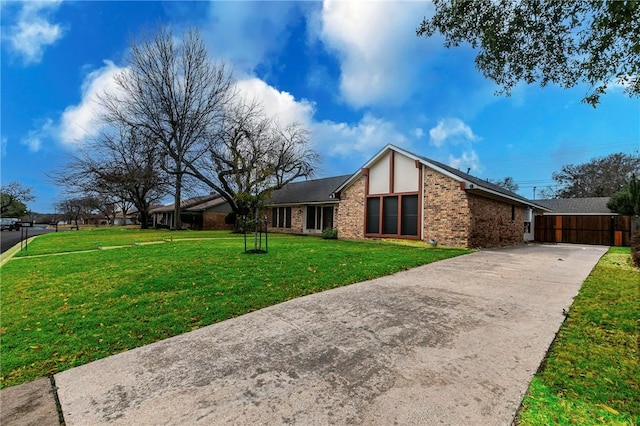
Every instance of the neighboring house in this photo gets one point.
(305, 207)
(582, 220)
(398, 194)
(130, 218)
(203, 212)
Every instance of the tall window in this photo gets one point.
(392, 215)
(281, 217)
(319, 217)
(409, 221)
(373, 215)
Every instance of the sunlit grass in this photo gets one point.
(592, 373)
(66, 310)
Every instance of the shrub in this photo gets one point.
(635, 248)
(330, 233)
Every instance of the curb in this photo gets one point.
(7, 255)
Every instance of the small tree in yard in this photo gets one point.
(13, 199)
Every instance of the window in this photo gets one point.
(281, 217)
(390, 215)
(311, 217)
(409, 221)
(399, 215)
(373, 215)
(513, 212)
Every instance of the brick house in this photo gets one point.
(398, 194)
(205, 212)
(305, 207)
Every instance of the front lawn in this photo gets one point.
(592, 373)
(65, 310)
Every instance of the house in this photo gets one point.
(584, 221)
(398, 194)
(306, 207)
(202, 212)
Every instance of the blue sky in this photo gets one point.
(354, 73)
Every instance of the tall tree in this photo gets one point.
(251, 154)
(561, 42)
(600, 177)
(173, 94)
(13, 199)
(120, 167)
(627, 200)
(507, 183)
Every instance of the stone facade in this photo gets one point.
(350, 218)
(446, 210)
(215, 221)
(297, 224)
(495, 223)
(450, 215)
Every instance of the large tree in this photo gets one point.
(120, 166)
(627, 200)
(173, 94)
(13, 199)
(600, 177)
(250, 154)
(560, 42)
(507, 183)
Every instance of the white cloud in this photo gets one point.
(278, 104)
(35, 138)
(246, 33)
(33, 31)
(363, 139)
(377, 46)
(79, 121)
(468, 160)
(452, 130)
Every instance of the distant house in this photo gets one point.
(203, 212)
(577, 206)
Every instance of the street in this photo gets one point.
(10, 238)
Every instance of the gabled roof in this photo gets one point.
(307, 192)
(577, 206)
(186, 204)
(472, 183)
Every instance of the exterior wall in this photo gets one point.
(491, 223)
(350, 218)
(445, 209)
(297, 223)
(212, 220)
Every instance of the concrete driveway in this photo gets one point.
(455, 342)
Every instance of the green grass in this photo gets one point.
(66, 310)
(90, 239)
(592, 373)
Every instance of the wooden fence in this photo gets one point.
(604, 230)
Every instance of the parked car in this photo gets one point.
(9, 224)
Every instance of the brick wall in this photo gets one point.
(214, 221)
(297, 213)
(446, 210)
(350, 218)
(491, 223)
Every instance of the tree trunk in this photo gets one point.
(177, 223)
